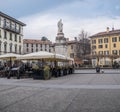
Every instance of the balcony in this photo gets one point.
(9, 28)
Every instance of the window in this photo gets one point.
(27, 50)
(4, 22)
(13, 26)
(36, 45)
(106, 52)
(105, 40)
(41, 45)
(31, 45)
(119, 39)
(11, 48)
(94, 53)
(100, 41)
(93, 41)
(27, 44)
(100, 46)
(114, 39)
(106, 46)
(5, 47)
(100, 52)
(32, 50)
(93, 47)
(114, 52)
(45, 46)
(72, 55)
(5, 34)
(71, 46)
(8, 24)
(19, 38)
(15, 37)
(15, 48)
(49, 50)
(19, 28)
(114, 45)
(20, 49)
(36, 50)
(10, 36)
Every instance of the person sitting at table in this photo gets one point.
(14, 65)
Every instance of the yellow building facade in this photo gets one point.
(105, 47)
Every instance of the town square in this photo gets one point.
(60, 56)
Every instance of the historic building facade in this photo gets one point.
(32, 45)
(11, 35)
(105, 47)
(78, 50)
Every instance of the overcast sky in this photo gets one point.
(41, 16)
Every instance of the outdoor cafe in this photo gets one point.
(38, 65)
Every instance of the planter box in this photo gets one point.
(38, 74)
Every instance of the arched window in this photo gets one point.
(5, 47)
(10, 47)
(20, 39)
(20, 49)
(16, 37)
(15, 48)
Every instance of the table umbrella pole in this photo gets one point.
(10, 62)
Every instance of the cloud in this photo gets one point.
(45, 24)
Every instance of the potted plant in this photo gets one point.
(35, 69)
(47, 72)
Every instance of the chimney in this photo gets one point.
(107, 29)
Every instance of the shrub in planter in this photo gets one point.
(65, 70)
(35, 68)
(47, 72)
(37, 73)
(55, 72)
(59, 71)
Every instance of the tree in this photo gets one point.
(83, 35)
(83, 45)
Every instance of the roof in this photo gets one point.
(75, 41)
(112, 32)
(72, 42)
(11, 18)
(33, 41)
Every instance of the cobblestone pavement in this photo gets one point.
(72, 93)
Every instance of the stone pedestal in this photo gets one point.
(60, 38)
(60, 34)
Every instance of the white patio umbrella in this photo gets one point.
(43, 55)
(63, 57)
(70, 59)
(60, 57)
(9, 56)
(37, 55)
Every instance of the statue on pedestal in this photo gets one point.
(60, 26)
